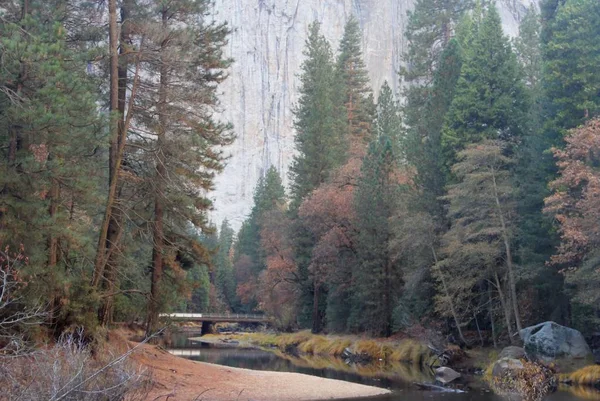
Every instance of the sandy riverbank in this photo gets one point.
(182, 380)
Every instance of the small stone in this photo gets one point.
(446, 375)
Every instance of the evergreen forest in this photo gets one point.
(468, 201)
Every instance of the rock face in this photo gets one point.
(267, 45)
(549, 340)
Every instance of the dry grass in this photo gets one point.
(588, 376)
(411, 351)
(532, 383)
(371, 349)
(306, 343)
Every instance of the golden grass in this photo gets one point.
(370, 348)
(338, 345)
(333, 346)
(411, 351)
(314, 345)
(588, 376)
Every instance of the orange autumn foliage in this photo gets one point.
(575, 202)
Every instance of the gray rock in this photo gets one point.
(512, 352)
(446, 375)
(548, 341)
(504, 365)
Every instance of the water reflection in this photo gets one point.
(398, 377)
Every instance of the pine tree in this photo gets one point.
(490, 101)
(430, 28)
(535, 167)
(389, 123)
(224, 274)
(318, 140)
(426, 148)
(478, 248)
(49, 130)
(355, 91)
(376, 279)
(572, 58)
(183, 49)
(269, 195)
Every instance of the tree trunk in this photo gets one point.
(449, 298)
(53, 195)
(511, 276)
(159, 192)
(387, 301)
(114, 162)
(115, 222)
(316, 318)
(491, 312)
(505, 308)
(15, 141)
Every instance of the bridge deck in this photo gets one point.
(214, 317)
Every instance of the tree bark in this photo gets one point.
(115, 156)
(387, 302)
(492, 320)
(316, 318)
(53, 195)
(449, 298)
(114, 232)
(159, 189)
(511, 276)
(505, 308)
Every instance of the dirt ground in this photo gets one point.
(177, 379)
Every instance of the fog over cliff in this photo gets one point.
(258, 97)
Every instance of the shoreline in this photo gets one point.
(180, 379)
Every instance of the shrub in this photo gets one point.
(532, 383)
(68, 372)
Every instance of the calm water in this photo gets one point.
(399, 379)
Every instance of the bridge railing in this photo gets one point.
(207, 316)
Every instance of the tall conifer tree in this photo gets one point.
(490, 101)
(355, 92)
(318, 140)
(376, 278)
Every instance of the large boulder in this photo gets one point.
(548, 341)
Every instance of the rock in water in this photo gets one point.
(548, 341)
(446, 375)
(512, 352)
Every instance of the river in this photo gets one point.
(399, 378)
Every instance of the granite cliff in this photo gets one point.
(267, 45)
